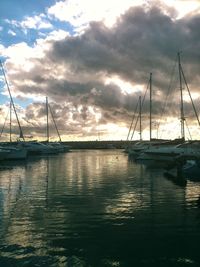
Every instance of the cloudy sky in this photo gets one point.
(92, 59)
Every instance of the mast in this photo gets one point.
(142, 102)
(10, 122)
(136, 119)
(11, 99)
(47, 110)
(140, 116)
(150, 107)
(133, 118)
(181, 91)
(194, 108)
(55, 124)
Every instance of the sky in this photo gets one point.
(93, 60)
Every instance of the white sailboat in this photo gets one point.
(46, 147)
(38, 148)
(57, 146)
(10, 151)
(166, 155)
(135, 150)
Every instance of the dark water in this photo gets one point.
(96, 208)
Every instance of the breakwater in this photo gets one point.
(98, 144)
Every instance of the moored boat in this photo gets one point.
(12, 153)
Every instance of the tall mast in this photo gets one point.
(140, 116)
(10, 122)
(47, 110)
(150, 107)
(55, 124)
(181, 91)
(11, 99)
(130, 128)
(138, 103)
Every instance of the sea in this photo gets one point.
(96, 208)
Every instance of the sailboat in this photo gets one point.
(10, 151)
(57, 146)
(167, 154)
(35, 148)
(135, 150)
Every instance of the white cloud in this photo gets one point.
(57, 35)
(184, 7)
(36, 22)
(11, 33)
(80, 13)
(1, 49)
(12, 22)
(21, 57)
(126, 87)
(19, 54)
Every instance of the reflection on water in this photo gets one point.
(96, 208)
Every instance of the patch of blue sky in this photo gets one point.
(13, 12)
(5, 99)
(65, 26)
(17, 9)
(11, 34)
(23, 102)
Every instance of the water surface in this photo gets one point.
(96, 208)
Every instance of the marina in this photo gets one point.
(99, 133)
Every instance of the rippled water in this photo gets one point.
(96, 208)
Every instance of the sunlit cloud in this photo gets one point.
(184, 7)
(126, 87)
(80, 13)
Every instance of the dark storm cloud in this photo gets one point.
(141, 41)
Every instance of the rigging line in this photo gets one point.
(141, 108)
(182, 119)
(4, 123)
(47, 117)
(188, 130)
(168, 93)
(134, 114)
(55, 123)
(11, 99)
(190, 96)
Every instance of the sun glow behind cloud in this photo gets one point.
(126, 87)
(184, 7)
